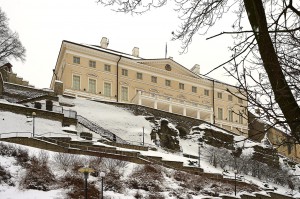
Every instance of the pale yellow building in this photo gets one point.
(96, 72)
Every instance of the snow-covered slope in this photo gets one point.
(119, 121)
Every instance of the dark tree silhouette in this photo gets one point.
(10, 45)
(265, 59)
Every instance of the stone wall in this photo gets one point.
(179, 120)
(19, 109)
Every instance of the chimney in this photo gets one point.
(196, 69)
(104, 42)
(136, 52)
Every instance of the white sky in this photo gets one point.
(43, 24)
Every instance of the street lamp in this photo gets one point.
(235, 172)
(85, 171)
(143, 136)
(33, 121)
(102, 175)
(200, 144)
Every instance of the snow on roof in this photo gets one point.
(110, 51)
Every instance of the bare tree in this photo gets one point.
(10, 45)
(265, 59)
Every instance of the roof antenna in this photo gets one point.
(166, 50)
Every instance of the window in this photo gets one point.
(240, 118)
(230, 115)
(124, 92)
(107, 89)
(194, 89)
(76, 82)
(229, 97)
(92, 64)
(124, 72)
(153, 79)
(206, 92)
(240, 101)
(92, 86)
(76, 60)
(168, 82)
(107, 68)
(181, 86)
(219, 95)
(220, 113)
(139, 75)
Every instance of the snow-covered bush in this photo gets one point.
(147, 177)
(5, 177)
(38, 174)
(7, 150)
(64, 161)
(22, 156)
(74, 183)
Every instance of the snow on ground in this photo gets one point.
(119, 121)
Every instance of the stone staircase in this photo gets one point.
(66, 145)
(99, 130)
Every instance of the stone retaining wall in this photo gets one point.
(19, 109)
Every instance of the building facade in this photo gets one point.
(100, 73)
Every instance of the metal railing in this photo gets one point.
(99, 130)
(16, 134)
(57, 109)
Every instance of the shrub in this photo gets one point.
(113, 182)
(22, 156)
(7, 150)
(38, 175)
(64, 160)
(5, 177)
(148, 178)
(75, 184)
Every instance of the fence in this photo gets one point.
(58, 109)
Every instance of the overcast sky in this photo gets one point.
(43, 24)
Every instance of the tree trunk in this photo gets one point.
(282, 92)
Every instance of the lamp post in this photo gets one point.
(235, 172)
(143, 136)
(33, 123)
(85, 171)
(102, 175)
(200, 144)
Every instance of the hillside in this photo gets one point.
(130, 180)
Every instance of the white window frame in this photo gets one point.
(206, 92)
(194, 89)
(107, 68)
(89, 89)
(220, 113)
(124, 72)
(153, 79)
(76, 60)
(241, 118)
(104, 90)
(122, 94)
(230, 115)
(219, 95)
(168, 82)
(92, 64)
(139, 76)
(181, 86)
(73, 87)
